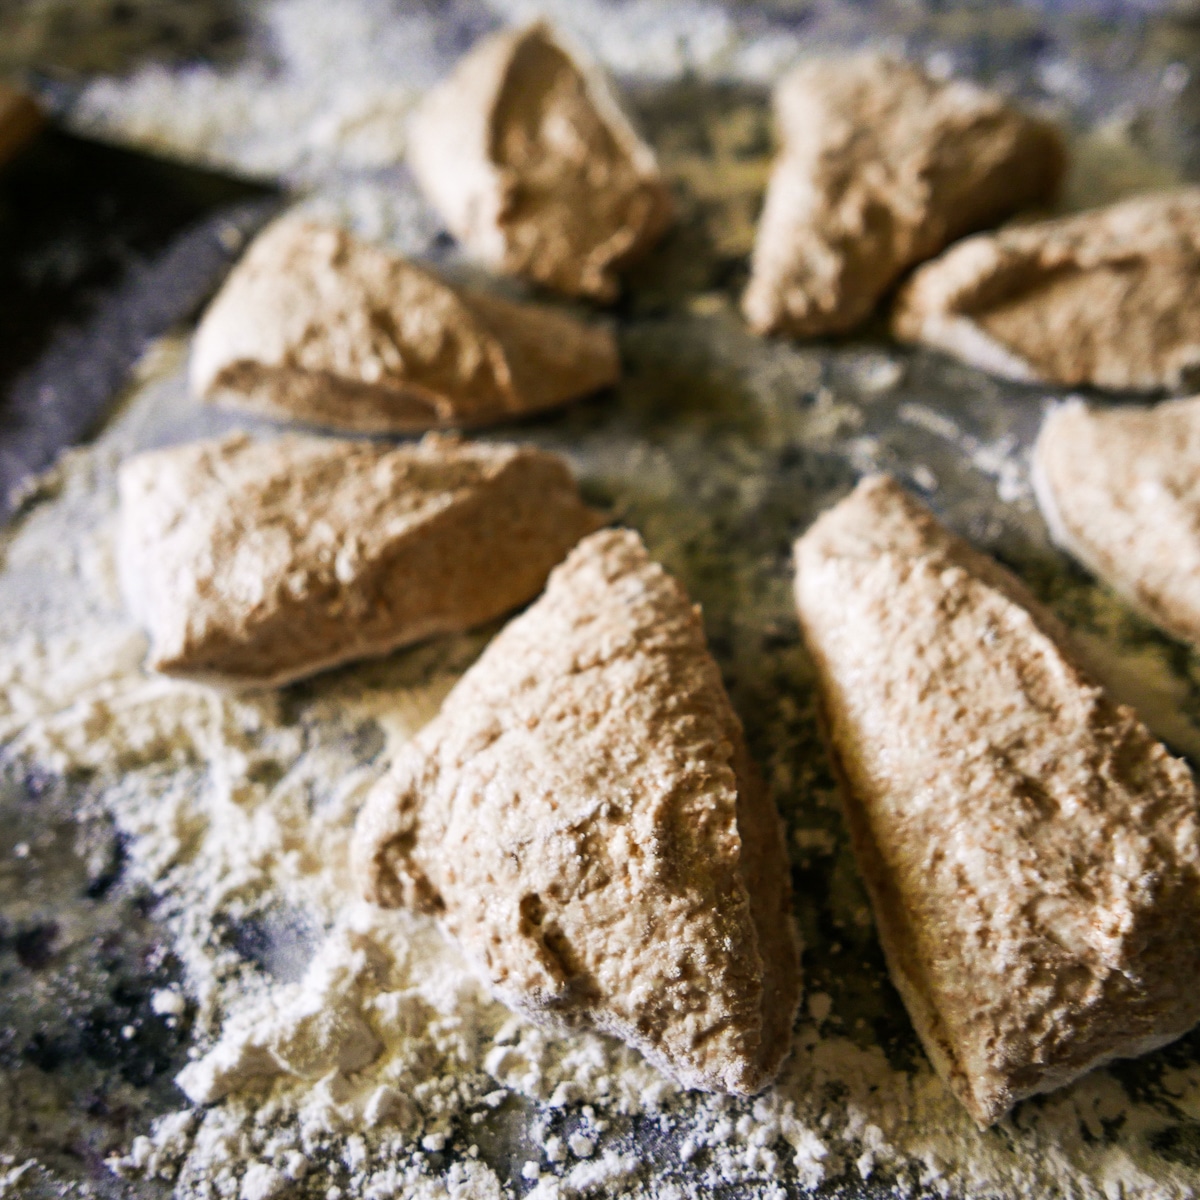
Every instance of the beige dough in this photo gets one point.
(880, 167)
(256, 563)
(318, 326)
(528, 158)
(1107, 297)
(1120, 490)
(583, 816)
(1032, 853)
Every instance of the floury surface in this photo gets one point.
(171, 887)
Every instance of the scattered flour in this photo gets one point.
(321, 98)
(998, 460)
(361, 1057)
(331, 92)
(237, 812)
(11, 1174)
(332, 85)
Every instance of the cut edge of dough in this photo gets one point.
(455, 121)
(986, 1106)
(778, 941)
(171, 665)
(385, 829)
(1062, 536)
(231, 682)
(540, 357)
(248, 683)
(902, 966)
(963, 339)
(328, 401)
(602, 95)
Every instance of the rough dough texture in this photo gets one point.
(585, 819)
(255, 563)
(1120, 490)
(881, 167)
(527, 156)
(1106, 298)
(1032, 853)
(317, 325)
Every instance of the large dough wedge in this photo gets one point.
(1106, 297)
(1120, 490)
(1032, 853)
(526, 154)
(255, 563)
(880, 167)
(583, 816)
(316, 325)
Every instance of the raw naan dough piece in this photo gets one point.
(584, 817)
(530, 161)
(1120, 490)
(1107, 297)
(1032, 853)
(256, 563)
(882, 167)
(316, 325)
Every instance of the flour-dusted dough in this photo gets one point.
(1106, 297)
(316, 325)
(1120, 490)
(584, 817)
(255, 563)
(881, 167)
(1032, 853)
(534, 167)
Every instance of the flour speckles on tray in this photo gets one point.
(324, 1048)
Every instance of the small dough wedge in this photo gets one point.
(1120, 490)
(257, 563)
(1105, 298)
(527, 156)
(1032, 853)
(881, 167)
(583, 816)
(318, 326)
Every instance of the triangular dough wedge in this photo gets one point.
(1120, 490)
(583, 816)
(255, 563)
(1031, 851)
(1106, 297)
(315, 325)
(881, 167)
(529, 159)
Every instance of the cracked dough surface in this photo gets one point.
(260, 562)
(880, 167)
(526, 154)
(1106, 297)
(1031, 851)
(584, 818)
(317, 325)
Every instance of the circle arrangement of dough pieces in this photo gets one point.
(176, 898)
